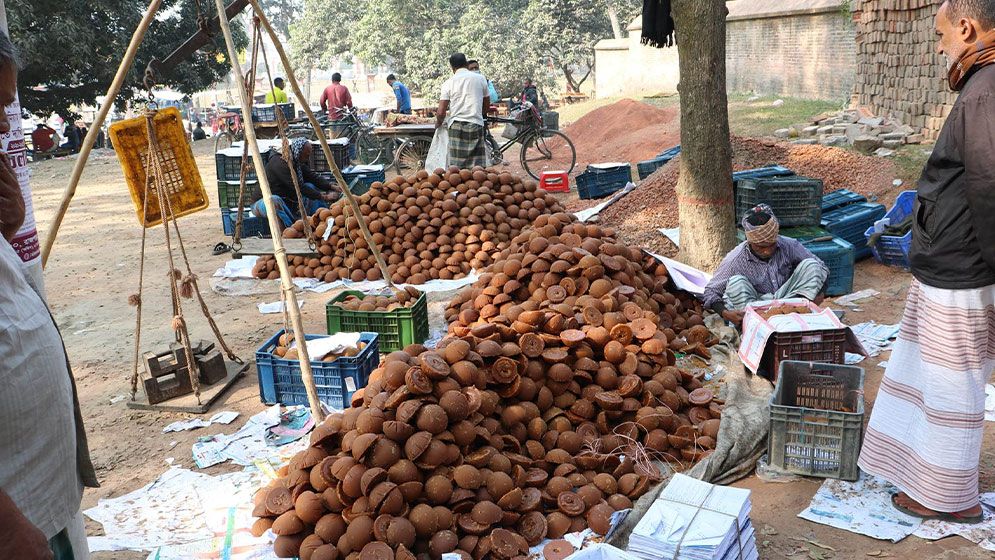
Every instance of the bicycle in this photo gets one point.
(368, 146)
(229, 131)
(542, 149)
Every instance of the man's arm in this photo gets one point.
(348, 99)
(440, 114)
(713, 298)
(486, 106)
(18, 537)
(979, 175)
(323, 101)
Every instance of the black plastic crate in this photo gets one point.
(228, 164)
(646, 168)
(826, 346)
(817, 419)
(267, 113)
(839, 199)
(340, 153)
(796, 201)
(601, 182)
(762, 173)
(252, 226)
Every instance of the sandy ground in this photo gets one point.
(94, 268)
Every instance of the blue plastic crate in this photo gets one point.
(839, 199)
(228, 164)
(893, 250)
(252, 226)
(839, 257)
(762, 172)
(267, 113)
(670, 152)
(280, 380)
(850, 223)
(796, 201)
(366, 179)
(646, 168)
(599, 183)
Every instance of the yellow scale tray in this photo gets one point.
(182, 178)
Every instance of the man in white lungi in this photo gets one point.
(925, 431)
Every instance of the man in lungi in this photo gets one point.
(465, 100)
(925, 431)
(765, 266)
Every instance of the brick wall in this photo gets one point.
(800, 54)
(899, 74)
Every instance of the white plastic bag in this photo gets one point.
(438, 152)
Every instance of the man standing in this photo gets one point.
(277, 95)
(474, 66)
(401, 93)
(464, 98)
(41, 428)
(335, 98)
(765, 266)
(44, 138)
(925, 431)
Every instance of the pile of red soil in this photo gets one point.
(628, 130)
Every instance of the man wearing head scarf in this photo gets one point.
(316, 190)
(765, 266)
(928, 421)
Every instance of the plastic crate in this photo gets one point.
(397, 329)
(340, 153)
(827, 346)
(839, 199)
(280, 380)
(762, 173)
(252, 226)
(366, 179)
(803, 234)
(228, 193)
(228, 164)
(817, 419)
(267, 113)
(893, 250)
(646, 168)
(851, 221)
(671, 152)
(598, 183)
(550, 121)
(838, 255)
(796, 201)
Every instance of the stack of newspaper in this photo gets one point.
(695, 520)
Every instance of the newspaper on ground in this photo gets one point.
(194, 423)
(982, 534)
(248, 443)
(852, 299)
(673, 234)
(276, 307)
(685, 276)
(585, 215)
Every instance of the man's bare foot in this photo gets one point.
(903, 501)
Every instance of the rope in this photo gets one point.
(138, 297)
(236, 241)
(165, 211)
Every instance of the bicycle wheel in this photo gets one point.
(371, 149)
(223, 141)
(549, 151)
(411, 155)
(493, 149)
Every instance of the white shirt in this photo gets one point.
(465, 92)
(37, 424)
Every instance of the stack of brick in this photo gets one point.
(852, 128)
(899, 74)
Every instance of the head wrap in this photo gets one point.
(764, 233)
(296, 147)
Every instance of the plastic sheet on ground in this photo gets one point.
(742, 434)
(585, 215)
(864, 507)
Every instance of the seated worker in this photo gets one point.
(44, 138)
(198, 132)
(316, 190)
(765, 266)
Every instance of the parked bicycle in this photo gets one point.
(229, 131)
(370, 149)
(541, 149)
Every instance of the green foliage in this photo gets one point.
(282, 14)
(513, 39)
(70, 50)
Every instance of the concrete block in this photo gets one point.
(808, 141)
(835, 141)
(914, 139)
(892, 144)
(782, 133)
(824, 130)
(809, 131)
(866, 143)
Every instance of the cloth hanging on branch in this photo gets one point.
(658, 25)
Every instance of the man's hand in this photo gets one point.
(330, 196)
(11, 201)
(18, 537)
(734, 317)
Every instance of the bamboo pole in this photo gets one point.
(286, 285)
(98, 122)
(324, 142)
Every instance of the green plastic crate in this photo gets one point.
(397, 328)
(803, 233)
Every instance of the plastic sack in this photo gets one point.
(510, 131)
(438, 152)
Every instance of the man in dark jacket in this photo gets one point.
(316, 191)
(925, 431)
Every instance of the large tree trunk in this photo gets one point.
(704, 190)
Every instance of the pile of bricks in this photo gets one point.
(899, 73)
(852, 127)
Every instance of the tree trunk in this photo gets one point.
(704, 190)
(616, 28)
(571, 85)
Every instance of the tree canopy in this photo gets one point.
(545, 40)
(70, 56)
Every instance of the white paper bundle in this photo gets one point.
(695, 520)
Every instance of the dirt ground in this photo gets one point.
(94, 268)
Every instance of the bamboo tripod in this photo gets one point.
(286, 284)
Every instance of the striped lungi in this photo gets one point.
(466, 144)
(925, 431)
